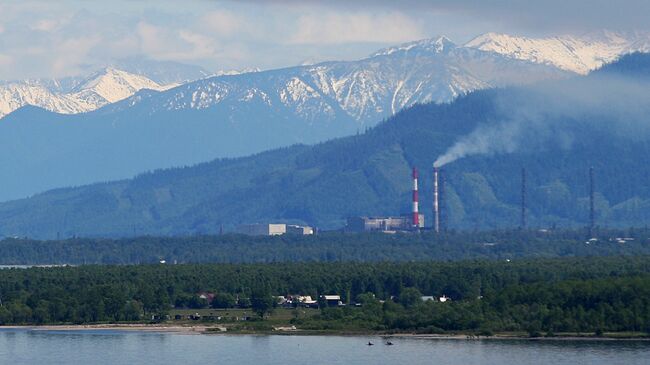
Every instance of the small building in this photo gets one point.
(370, 224)
(274, 229)
(209, 297)
(262, 229)
(300, 230)
(304, 301)
(332, 300)
(427, 298)
(281, 300)
(444, 298)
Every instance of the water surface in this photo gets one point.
(22, 346)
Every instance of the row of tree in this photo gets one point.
(608, 293)
(326, 247)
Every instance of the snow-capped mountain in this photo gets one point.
(239, 113)
(235, 115)
(74, 95)
(365, 91)
(111, 85)
(16, 95)
(579, 54)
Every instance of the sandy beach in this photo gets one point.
(216, 330)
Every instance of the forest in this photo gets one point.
(592, 294)
(328, 247)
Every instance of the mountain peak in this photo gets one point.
(438, 44)
(114, 85)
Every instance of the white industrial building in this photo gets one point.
(273, 229)
(385, 224)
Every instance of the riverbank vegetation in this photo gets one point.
(536, 296)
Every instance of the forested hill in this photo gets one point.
(556, 130)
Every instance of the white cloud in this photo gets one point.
(335, 28)
(222, 22)
(5, 60)
(46, 25)
(72, 54)
(175, 44)
(41, 38)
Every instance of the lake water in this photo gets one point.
(123, 347)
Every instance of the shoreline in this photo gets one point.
(222, 330)
(138, 327)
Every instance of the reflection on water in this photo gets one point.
(124, 347)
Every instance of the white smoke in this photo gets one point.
(483, 140)
(543, 118)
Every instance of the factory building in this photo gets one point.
(383, 224)
(300, 230)
(273, 229)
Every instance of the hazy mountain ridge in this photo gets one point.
(240, 114)
(101, 88)
(369, 174)
(363, 92)
(80, 94)
(368, 90)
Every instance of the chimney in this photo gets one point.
(416, 211)
(592, 213)
(436, 206)
(523, 199)
(442, 208)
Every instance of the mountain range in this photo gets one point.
(119, 122)
(72, 95)
(557, 130)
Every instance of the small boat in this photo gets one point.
(370, 343)
(388, 343)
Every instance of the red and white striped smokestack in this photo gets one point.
(416, 199)
(436, 207)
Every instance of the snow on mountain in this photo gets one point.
(235, 72)
(102, 88)
(232, 115)
(572, 53)
(16, 95)
(434, 45)
(367, 91)
(111, 85)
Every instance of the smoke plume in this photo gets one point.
(552, 115)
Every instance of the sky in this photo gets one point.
(40, 38)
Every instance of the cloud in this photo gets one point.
(40, 36)
(72, 54)
(5, 60)
(222, 22)
(334, 28)
(46, 25)
(554, 15)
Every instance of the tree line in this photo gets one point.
(552, 295)
(326, 247)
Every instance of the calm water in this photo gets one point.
(120, 347)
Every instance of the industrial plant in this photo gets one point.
(413, 221)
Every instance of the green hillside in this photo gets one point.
(557, 131)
